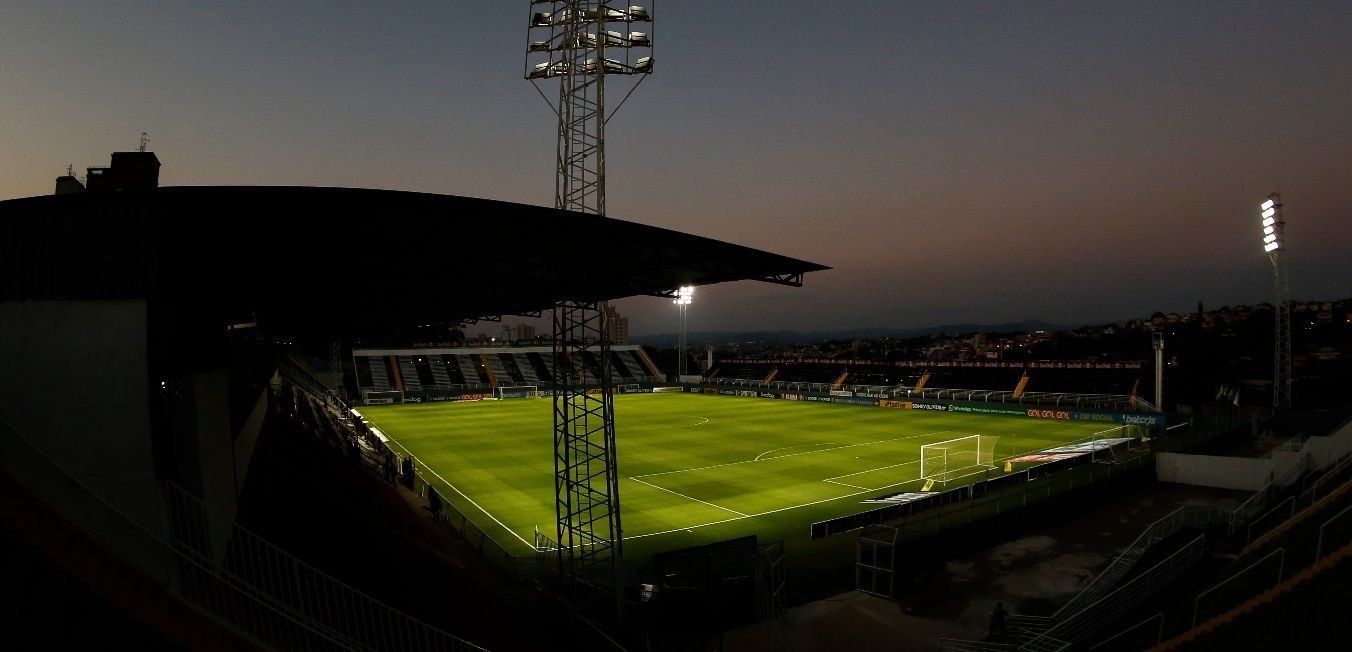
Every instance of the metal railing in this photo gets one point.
(1267, 495)
(1245, 591)
(1125, 641)
(1289, 502)
(1187, 516)
(299, 589)
(1078, 626)
(959, 645)
(184, 576)
(1345, 525)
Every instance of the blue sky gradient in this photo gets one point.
(954, 161)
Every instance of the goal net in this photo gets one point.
(523, 391)
(955, 458)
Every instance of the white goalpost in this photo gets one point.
(520, 391)
(948, 460)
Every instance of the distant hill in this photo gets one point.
(790, 337)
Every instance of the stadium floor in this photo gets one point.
(696, 469)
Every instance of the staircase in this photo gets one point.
(840, 380)
(439, 375)
(528, 373)
(493, 369)
(770, 377)
(380, 378)
(409, 371)
(469, 368)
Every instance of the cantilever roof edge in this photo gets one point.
(351, 258)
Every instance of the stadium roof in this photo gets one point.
(342, 260)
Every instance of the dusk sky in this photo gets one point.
(985, 162)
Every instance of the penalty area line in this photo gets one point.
(780, 457)
(772, 511)
(677, 493)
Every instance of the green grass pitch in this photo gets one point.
(695, 469)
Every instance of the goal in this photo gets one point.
(956, 458)
(521, 391)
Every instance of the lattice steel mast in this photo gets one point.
(1274, 243)
(684, 297)
(569, 41)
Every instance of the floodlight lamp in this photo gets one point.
(1269, 221)
(1269, 212)
(1271, 237)
(1270, 247)
(638, 13)
(1267, 205)
(541, 19)
(1267, 230)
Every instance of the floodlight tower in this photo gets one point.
(580, 43)
(1274, 243)
(1157, 339)
(683, 298)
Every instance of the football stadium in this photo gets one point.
(697, 469)
(285, 417)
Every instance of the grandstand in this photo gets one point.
(426, 374)
(1083, 385)
(230, 486)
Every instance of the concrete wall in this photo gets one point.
(1327, 450)
(1245, 473)
(74, 380)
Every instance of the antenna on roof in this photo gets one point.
(70, 169)
(144, 141)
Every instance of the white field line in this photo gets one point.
(844, 484)
(824, 443)
(677, 493)
(780, 457)
(769, 511)
(462, 494)
(815, 502)
(983, 470)
(889, 466)
(706, 420)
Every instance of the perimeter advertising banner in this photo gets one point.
(994, 409)
(990, 408)
(856, 400)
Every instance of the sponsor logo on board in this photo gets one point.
(938, 407)
(896, 405)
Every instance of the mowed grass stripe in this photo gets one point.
(694, 459)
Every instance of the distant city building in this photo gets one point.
(523, 332)
(68, 184)
(129, 171)
(617, 327)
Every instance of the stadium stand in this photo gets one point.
(446, 369)
(537, 362)
(441, 378)
(380, 377)
(409, 374)
(187, 324)
(507, 361)
(474, 375)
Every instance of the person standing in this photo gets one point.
(997, 629)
